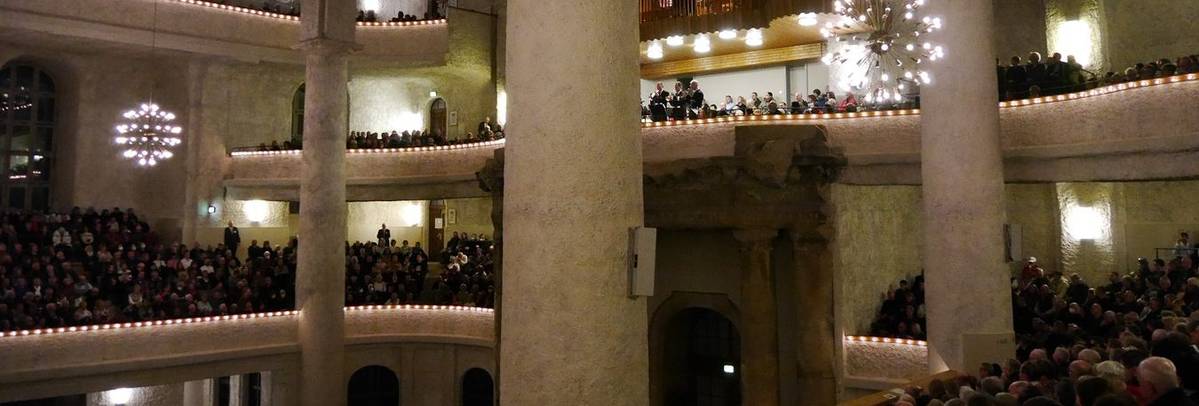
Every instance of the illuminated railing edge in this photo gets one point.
(886, 340)
(911, 112)
(287, 17)
(250, 316)
(456, 147)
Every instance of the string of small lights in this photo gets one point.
(456, 147)
(226, 318)
(885, 340)
(288, 17)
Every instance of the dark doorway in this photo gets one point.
(72, 400)
(436, 227)
(703, 358)
(438, 118)
(477, 388)
(374, 386)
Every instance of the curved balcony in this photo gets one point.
(92, 358)
(214, 29)
(1131, 131)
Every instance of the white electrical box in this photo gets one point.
(643, 245)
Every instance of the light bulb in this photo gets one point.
(702, 44)
(728, 34)
(753, 38)
(674, 40)
(654, 51)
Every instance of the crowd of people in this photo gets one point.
(292, 8)
(1036, 76)
(89, 267)
(390, 273)
(1018, 79)
(487, 131)
(1066, 329)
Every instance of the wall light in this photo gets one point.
(433, 94)
(654, 51)
(674, 40)
(119, 396)
(728, 34)
(702, 44)
(412, 214)
(729, 369)
(1085, 223)
(1074, 37)
(807, 19)
(370, 5)
(753, 38)
(256, 211)
(211, 209)
(501, 107)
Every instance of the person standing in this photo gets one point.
(384, 236)
(232, 238)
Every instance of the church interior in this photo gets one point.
(651, 202)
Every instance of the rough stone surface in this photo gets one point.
(962, 173)
(572, 190)
(883, 360)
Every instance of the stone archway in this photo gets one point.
(373, 385)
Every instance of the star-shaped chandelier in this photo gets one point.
(148, 135)
(886, 43)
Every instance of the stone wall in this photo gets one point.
(471, 216)
(885, 361)
(145, 396)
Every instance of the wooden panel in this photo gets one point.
(718, 63)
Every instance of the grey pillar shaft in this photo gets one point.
(759, 319)
(816, 338)
(969, 305)
(572, 190)
(320, 285)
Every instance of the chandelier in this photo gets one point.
(19, 100)
(885, 44)
(149, 135)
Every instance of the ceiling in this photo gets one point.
(782, 32)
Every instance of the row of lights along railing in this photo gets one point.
(233, 317)
(910, 112)
(288, 17)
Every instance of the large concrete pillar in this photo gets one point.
(969, 304)
(327, 37)
(572, 190)
(759, 319)
(816, 336)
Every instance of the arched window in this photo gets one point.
(373, 386)
(26, 136)
(478, 389)
(297, 116)
(438, 117)
(703, 359)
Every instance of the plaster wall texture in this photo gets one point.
(398, 99)
(883, 360)
(473, 216)
(1021, 27)
(1145, 30)
(696, 261)
(146, 396)
(571, 186)
(364, 218)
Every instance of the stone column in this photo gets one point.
(969, 306)
(197, 393)
(816, 335)
(759, 319)
(327, 37)
(572, 190)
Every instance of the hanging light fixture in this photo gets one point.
(148, 133)
(886, 42)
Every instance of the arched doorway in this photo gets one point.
(297, 116)
(438, 118)
(27, 126)
(703, 358)
(373, 386)
(478, 389)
